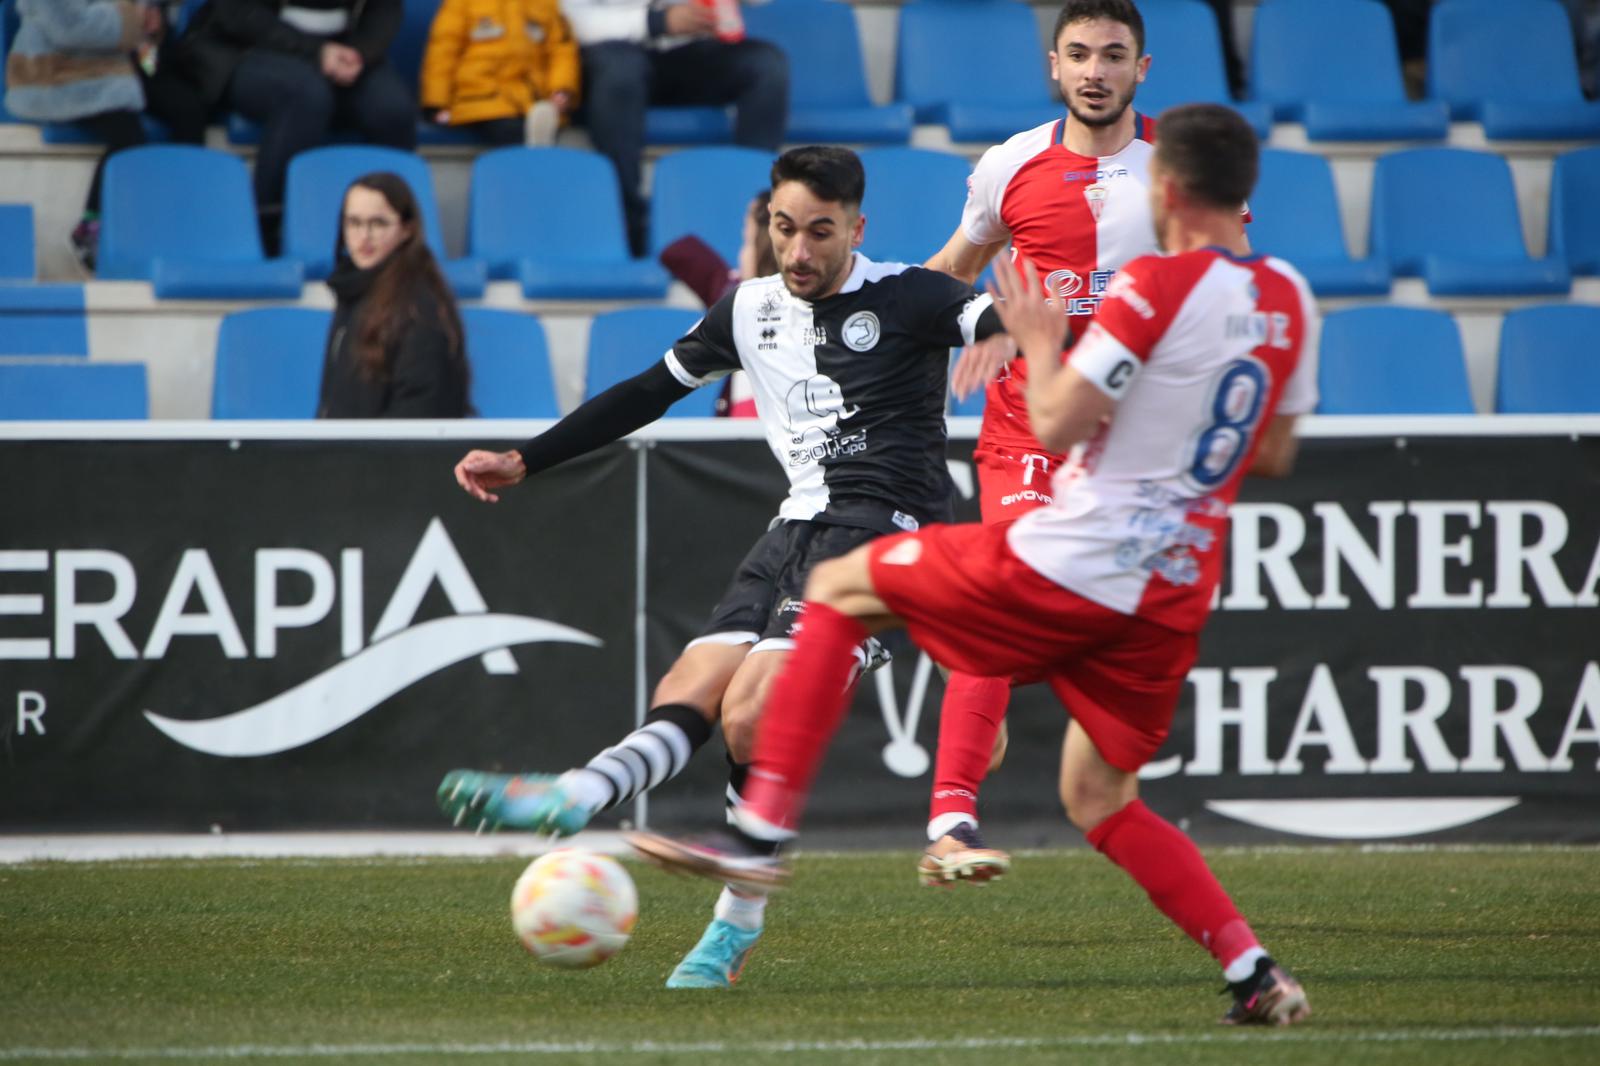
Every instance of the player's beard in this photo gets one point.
(1109, 117)
(820, 281)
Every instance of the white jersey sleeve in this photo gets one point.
(1300, 391)
(986, 189)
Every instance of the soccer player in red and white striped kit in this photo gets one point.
(1070, 196)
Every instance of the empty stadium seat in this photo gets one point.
(1181, 37)
(704, 192)
(1513, 70)
(1392, 361)
(975, 66)
(1360, 97)
(1574, 223)
(184, 219)
(1295, 215)
(1549, 361)
(269, 363)
(552, 219)
(16, 242)
(913, 202)
(829, 103)
(32, 391)
(511, 375)
(314, 196)
(43, 320)
(1449, 215)
(628, 342)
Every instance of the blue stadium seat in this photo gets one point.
(704, 192)
(1295, 215)
(628, 342)
(976, 66)
(1574, 232)
(317, 181)
(511, 375)
(1181, 37)
(183, 218)
(43, 320)
(69, 390)
(16, 242)
(1361, 97)
(913, 202)
(828, 98)
(552, 218)
(1449, 215)
(971, 407)
(1549, 361)
(1392, 361)
(1519, 79)
(269, 363)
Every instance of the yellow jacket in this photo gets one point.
(490, 59)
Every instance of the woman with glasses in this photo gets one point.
(396, 348)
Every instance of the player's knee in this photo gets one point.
(688, 685)
(740, 712)
(1088, 804)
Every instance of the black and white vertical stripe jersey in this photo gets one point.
(850, 388)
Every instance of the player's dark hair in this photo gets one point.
(832, 174)
(1121, 11)
(1211, 151)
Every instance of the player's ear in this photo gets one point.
(858, 231)
(1141, 69)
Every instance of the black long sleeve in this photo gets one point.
(621, 409)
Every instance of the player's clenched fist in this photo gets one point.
(481, 471)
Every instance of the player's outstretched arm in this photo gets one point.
(479, 471)
(621, 409)
(1275, 456)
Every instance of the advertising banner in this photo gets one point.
(288, 634)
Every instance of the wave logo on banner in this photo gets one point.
(402, 655)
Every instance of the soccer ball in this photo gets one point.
(574, 908)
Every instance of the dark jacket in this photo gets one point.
(423, 380)
(223, 30)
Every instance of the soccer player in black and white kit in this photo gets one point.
(847, 358)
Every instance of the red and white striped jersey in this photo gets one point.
(1200, 350)
(1078, 218)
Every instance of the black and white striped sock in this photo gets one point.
(655, 752)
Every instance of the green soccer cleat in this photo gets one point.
(718, 959)
(538, 803)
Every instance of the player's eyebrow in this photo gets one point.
(1114, 46)
(824, 220)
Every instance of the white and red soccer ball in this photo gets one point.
(574, 908)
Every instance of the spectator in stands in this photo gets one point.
(637, 55)
(697, 264)
(1230, 46)
(301, 68)
(1585, 16)
(505, 69)
(1411, 36)
(395, 348)
(73, 61)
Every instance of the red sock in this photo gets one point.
(1170, 869)
(969, 721)
(803, 711)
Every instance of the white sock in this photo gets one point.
(1245, 965)
(948, 821)
(589, 787)
(643, 759)
(744, 911)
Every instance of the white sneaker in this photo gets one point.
(541, 124)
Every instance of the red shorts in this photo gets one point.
(975, 607)
(1013, 481)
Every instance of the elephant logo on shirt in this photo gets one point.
(816, 405)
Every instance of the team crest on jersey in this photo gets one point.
(861, 331)
(1096, 196)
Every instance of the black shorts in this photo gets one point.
(762, 602)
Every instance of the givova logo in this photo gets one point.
(399, 652)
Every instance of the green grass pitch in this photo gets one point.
(1465, 956)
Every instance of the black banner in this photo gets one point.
(305, 634)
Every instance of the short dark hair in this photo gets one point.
(1211, 151)
(832, 174)
(1121, 11)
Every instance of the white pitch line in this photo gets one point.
(814, 1047)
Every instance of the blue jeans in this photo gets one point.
(621, 79)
